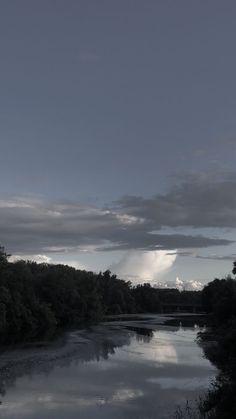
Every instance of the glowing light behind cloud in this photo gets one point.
(140, 267)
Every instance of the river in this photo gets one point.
(133, 369)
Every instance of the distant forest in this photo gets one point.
(36, 298)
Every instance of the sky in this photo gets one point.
(118, 136)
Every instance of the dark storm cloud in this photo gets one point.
(197, 202)
(33, 226)
(141, 240)
(30, 225)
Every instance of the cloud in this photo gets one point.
(187, 253)
(201, 200)
(34, 226)
(142, 267)
(31, 227)
(33, 258)
(142, 240)
(231, 257)
(217, 257)
(191, 285)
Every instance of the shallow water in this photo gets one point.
(115, 370)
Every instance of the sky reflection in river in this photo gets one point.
(108, 372)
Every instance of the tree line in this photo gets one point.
(35, 298)
(219, 345)
(219, 298)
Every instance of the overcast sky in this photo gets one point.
(118, 135)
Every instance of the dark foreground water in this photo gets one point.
(130, 370)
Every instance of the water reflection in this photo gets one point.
(142, 334)
(77, 347)
(111, 371)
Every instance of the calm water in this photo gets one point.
(127, 370)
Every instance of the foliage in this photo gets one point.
(37, 297)
(147, 299)
(219, 300)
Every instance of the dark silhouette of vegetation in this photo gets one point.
(219, 345)
(147, 299)
(219, 300)
(36, 298)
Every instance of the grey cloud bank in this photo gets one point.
(198, 202)
(36, 226)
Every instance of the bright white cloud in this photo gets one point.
(191, 285)
(33, 258)
(140, 267)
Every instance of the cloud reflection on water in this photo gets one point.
(111, 374)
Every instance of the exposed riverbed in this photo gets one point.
(132, 369)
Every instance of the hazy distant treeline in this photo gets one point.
(37, 297)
